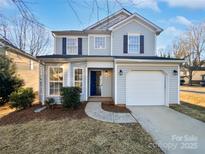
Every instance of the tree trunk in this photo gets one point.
(190, 77)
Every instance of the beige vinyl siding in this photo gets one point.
(93, 51)
(24, 70)
(133, 28)
(172, 80)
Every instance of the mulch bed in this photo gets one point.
(113, 108)
(23, 116)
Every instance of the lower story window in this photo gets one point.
(78, 77)
(55, 80)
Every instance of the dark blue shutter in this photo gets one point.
(141, 44)
(64, 45)
(79, 46)
(125, 44)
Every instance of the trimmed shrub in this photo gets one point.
(22, 98)
(70, 97)
(49, 101)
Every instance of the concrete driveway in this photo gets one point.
(173, 132)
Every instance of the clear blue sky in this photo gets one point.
(172, 15)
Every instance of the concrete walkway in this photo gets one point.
(95, 111)
(175, 133)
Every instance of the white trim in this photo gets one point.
(88, 44)
(150, 61)
(95, 42)
(74, 68)
(42, 87)
(48, 72)
(155, 45)
(67, 51)
(178, 87)
(100, 64)
(100, 35)
(148, 64)
(86, 84)
(116, 76)
(140, 17)
(100, 70)
(133, 34)
(69, 75)
(111, 45)
(99, 22)
(60, 36)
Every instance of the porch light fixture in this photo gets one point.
(120, 73)
(106, 73)
(175, 72)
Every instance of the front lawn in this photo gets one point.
(66, 131)
(193, 95)
(191, 110)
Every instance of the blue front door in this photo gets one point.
(95, 88)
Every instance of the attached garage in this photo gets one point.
(145, 88)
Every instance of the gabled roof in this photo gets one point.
(6, 44)
(106, 25)
(140, 19)
(108, 19)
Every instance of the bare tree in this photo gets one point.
(191, 47)
(28, 36)
(39, 39)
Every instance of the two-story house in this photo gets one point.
(114, 58)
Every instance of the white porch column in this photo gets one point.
(86, 83)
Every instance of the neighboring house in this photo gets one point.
(198, 75)
(115, 58)
(27, 66)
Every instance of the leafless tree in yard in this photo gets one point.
(39, 39)
(25, 31)
(26, 35)
(191, 47)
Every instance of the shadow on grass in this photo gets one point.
(24, 116)
(191, 110)
(193, 106)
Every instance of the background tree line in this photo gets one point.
(190, 46)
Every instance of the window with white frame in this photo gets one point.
(100, 42)
(133, 43)
(55, 80)
(72, 45)
(78, 77)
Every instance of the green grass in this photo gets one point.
(191, 110)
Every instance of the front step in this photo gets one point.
(101, 99)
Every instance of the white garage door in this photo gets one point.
(145, 88)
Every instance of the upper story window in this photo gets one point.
(100, 42)
(55, 80)
(72, 45)
(133, 43)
